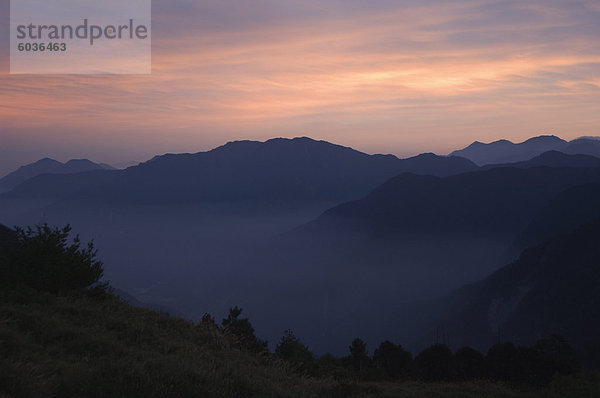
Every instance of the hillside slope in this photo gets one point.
(88, 346)
(551, 288)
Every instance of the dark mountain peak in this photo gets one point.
(504, 151)
(79, 162)
(239, 145)
(306, 143)
(502, 142)
(545, 139)
(46, 160)
(425, 155)
(303, 139)
(280, 145)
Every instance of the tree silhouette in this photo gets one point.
(242, 331)
(292, 350)
(44, 259)
(392, 358)
(359, 358)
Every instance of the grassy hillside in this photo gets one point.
(97, 346)
(92, 344)
(61, 338)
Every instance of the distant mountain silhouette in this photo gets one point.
(552, 159)
(46, 166)
(504, 151)
(551, 288)
(278, 171)
(584, 145)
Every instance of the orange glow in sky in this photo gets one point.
(380, 76)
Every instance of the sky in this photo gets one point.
(382, 76)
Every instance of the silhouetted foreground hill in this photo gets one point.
(47, 166)
(504, 151)
(551, 288)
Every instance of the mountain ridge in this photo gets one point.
(505, 151)
(47, 166)
(275, 171)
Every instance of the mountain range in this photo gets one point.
(504, 151)
(48, 166)
(316, 236)
(278, 171)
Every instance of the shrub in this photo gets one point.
(44, 259)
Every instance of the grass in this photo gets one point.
(94, 345)
(88, 346)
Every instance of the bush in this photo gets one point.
(44, 259)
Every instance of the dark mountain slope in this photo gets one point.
(413, 238)
(552, 159)
(551, 288)
(567, 211)
(498, 202)
(46, 166)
